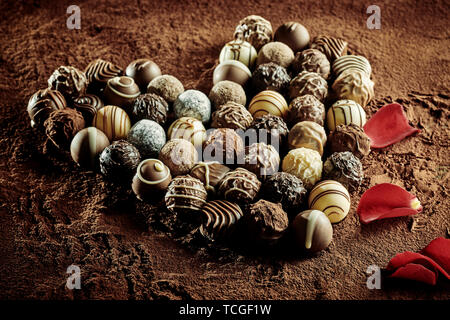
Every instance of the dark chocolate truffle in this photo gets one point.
(311, 60)
(270, 76)
(166, 86)
(121, 92)
(98, 72)
(68, 80)
(231, 115)
(225, 91)
(295, 35)
(254, 29)
(142, 71)
(349, 138)
(185, 195)
(269, 126)
(308, 83)
(87, 145)
(306, 108)
(179, 156)
(345, 168)
(62, 125)
(312, 230)
(276, 52)
(119, 160)
(333, 48)
(88, 105)
(151, 179)
(239, 185)
(261, 159)
(223, 145)
(150, 106)
(219, 217)
(42, 103)
(210, 173)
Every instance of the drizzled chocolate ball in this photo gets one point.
(119, 160)
(98, 72)
(239, 186)
(312, 230)
(311, 60)
(261, 159)
(231, 115)
(254, 29)
(185, 195)
(42, 103)
(270, 76)
(68, 80)
(210, 173)
(149, 106)
(345, 168)
(270, 129)
(88, 105)
(219, 217)
(308, 83)
(306, 108)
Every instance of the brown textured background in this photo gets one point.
(53, 214)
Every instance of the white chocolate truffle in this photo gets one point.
(306, 164)
(345, 112)
(355, 85)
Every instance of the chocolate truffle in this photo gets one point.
(113, 121)
(87, 145)
(270, 76)
(98, 72)
(306, 108)
(241, 51)
(276, 52)
(345, 168)
(231, 115)
(119, 160)
(311, 60)
(189, 129)
(305, 164)
(68, 80)
(268, 101)
(266, 221)
(295, 35)
(166, 86)
(179, 156)
(88, 105)
(210, 173)
(225, 91)
(286, 189)
(142, 71)
(185, 195)
(269, 126)
(121, 92)
(349, 138)
(150, 106)
(354, 85)
(193, 103)
(42, 103)
(223, 145)
(232, 70)
(333, 48)
(219, 217)
(307, 134)
(308, 83)
(239, 186)
(331, 198)
(148, 137)
(351, 62)
(151, 179)
(254, 29)
(344, 112)
(62, 125)
(261, 159)
(312, 231)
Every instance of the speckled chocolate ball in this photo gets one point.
(311, 60)
(270, 76)
(150, 106)
(345, 168)
(166, 86)
(231, 115)
(68, 80)
(148, 137)
(225, 91)
(119, 160)
(270, 126)
(193, 103)
(276, 52)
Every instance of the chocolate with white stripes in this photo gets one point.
(332, 47)
(268, 102)
(185, 194)
(239, 186)
(113, 121)
(98, 72)
(189, 129)
(344, 112)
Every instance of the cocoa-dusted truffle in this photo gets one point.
(151, 179)
(306, 164)
(223, 145)
(166, 86)
(307, 134)
(210, 173)
(231, 115)
(266, 221)
(121, 92)
(143, 71)
(306, 108)
(150, 106)
(239, 185)
(88, 105)
(308, 83)
(349, 138)
(286, 189)
(345, 168)
(68, 80)
(269, 126)
(254, 29)
(312, 230)
(295, 35)
(42, 103)
(355, 85)
(261, 159)
(311, 60)
(179, 156)
(333, 48)
(276, 52)
(62, 125)
(185, 195)
(98, 72)
(119, 160)
(225, 91)
(270, 76)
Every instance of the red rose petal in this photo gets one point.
(439, 251)
(415, 272)
(386, 200)
(388, 126)
(407, 257)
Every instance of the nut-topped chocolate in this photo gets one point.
(354, 85)
(142, 71)
(42, 103)
(219, 217)
(349, 138)
(62, 125)
(295, 35)
(150, 106)
(261, 159)
(119, 160)
(306, 108)
(270, 76)
(231, 115)
(223, 145)
(151, 179)
(98, 72)
(311, 60)
(68, 80)
(254, 29)
(345, 168)
(239, 185)
(185, 194)
(210, 173)
(332, 47)
(269, 126)
(308, 83)
(307, 134)
(312, 230)
(121, 92)
(88, 105)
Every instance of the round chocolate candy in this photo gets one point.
(331, 198)
(210, 173)
(225, 91)
(113, 121)
(86, 146)
(312, 230)
(166, 86)
(189, 129)
(151, 179)
(239, 186)
(232, 70)
(119, 160)
(311, 60)
(223, 145)
(254, 29)
(68, 80)
(345, 168)
(295, 35)
(306, 108)
(349, 138)
(185, 195)
(276, 52)
(305, 164)
(270, 129)
(219, 217)
(345, 63)
(241, 51)
(268, 101)
(308, 83)
(193, 103)
(261, 159)
(62, 125)
(121, 91)
(270, 76)
(98, 72)
(148, 137)
(354, 85)
(307, 134)
(42, 103)
(344, 112)
(333, 48)
(231, 115)
(142, 71)
(88, 105)
(179, 156)
(150, 106)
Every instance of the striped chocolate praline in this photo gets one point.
(344, 112)
(185, 195)
(88, 105)
(42, 103)
(189, 129)
(87, 145)
(219, 217)
(333, 48)
(113, 121)
(98, 72)
(268, 102)
(121, 91)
